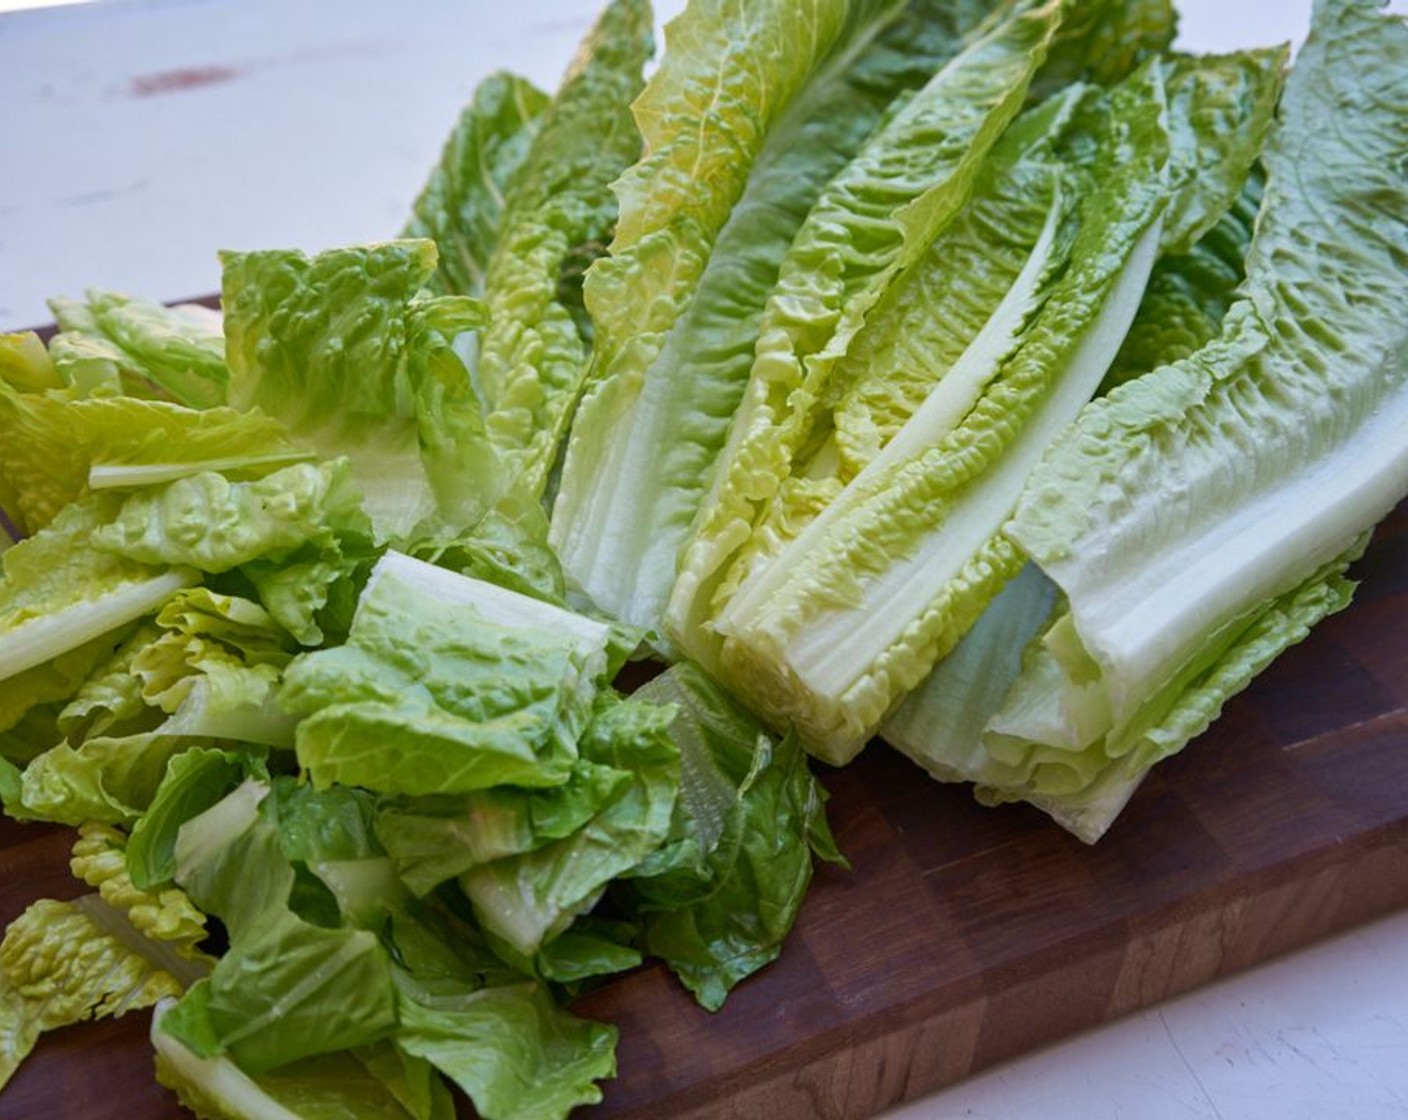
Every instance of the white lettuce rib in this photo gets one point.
(1148, 615)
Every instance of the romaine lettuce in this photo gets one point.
(870, 224)
(446, 685)
(532, 357)
(113, 345)
(349, 354)
(460, 206)
(1199, 518)
(638, 461)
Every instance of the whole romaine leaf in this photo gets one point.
(1277, 444)
(532, 357)
(904, 559)
(945, 325)
(460, 206)
(1104, 41)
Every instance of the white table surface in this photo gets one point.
(142, 136)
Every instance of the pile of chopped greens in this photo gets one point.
(985, 377)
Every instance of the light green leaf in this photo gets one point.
(285, 990)
(195, 780)
(446, 685)
(532, 357)
(25, 365)
(526, 899)
(433, 840)
(64, 962)
(208, 522)
(42, 686)
(1278, 443)
(58, 447)
(59, 592)
(346, 353)
(858, 607)
(110, 345)
(967, 298)
(366, 1084)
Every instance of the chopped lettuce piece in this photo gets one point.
(207, 522)
(59, 592)
(445, 685)
(195, 780)
(525, 899)
(25, 365)
(516, 1055)
(348, 353)
(207, 672)
(113, 345)
(372, 1083)
(64, 962)
(38, 688)
(508, 546)
(58, 447)
(285, 988)
(102, 954)
(165, 915)
(719, 897)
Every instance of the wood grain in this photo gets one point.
(963, 936)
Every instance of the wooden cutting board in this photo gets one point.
(961, 935)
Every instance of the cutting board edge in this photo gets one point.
(850, 1074)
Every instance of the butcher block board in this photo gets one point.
(961, 936)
